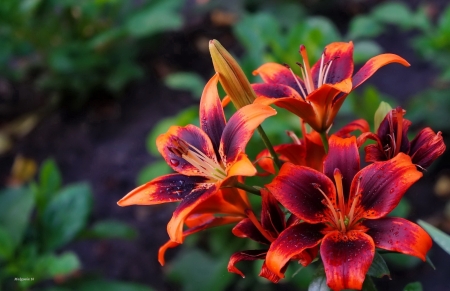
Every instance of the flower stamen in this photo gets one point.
(205, 165)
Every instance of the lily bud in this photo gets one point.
(231, 76)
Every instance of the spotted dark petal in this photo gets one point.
(168, 188)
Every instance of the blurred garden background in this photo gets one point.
(86, 86)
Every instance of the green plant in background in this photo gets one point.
(37, 221)
(78, 48)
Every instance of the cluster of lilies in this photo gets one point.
(320, 200)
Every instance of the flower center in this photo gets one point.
(205, 165)
(395, 136)
(343, 215)
(305, 69)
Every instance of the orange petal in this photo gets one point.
(373, 65)
(399, 235)
(212, 118)
(242, 167)
(168, 188)
(347, 258)
(272, 73)
(239, 130)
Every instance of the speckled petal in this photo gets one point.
(347, 258)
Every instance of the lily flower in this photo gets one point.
(204, 158)
(265, 232)
(319, 94)
(392, 138)
(227, 206)
(309, 150)
(344, 210)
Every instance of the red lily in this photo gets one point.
(318, 96)
(308, 151)
(392, 138)
(228, 205)
(347, 216)
(205, 158)
(272, 224)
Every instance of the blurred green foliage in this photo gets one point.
(76, 48)
(38, 220)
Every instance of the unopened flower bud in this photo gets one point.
(231, 76)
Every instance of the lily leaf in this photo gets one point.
(107, 229)
(51, 265)
(380, 114)
(155, 169)
(188, 81)
(379, 267)
(415, 286)
(66, 215)
(319, 282)
(15, 209)
(442, 239)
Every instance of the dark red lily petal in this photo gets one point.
(269, 275)
(295, 188)
(347, 258)
(292, 243)
(212, 118)
(272, 217)
(246, 228)
(372, 65)
(315, 152)
(239, 130)
(387, 131)
(382, 185)
(343, 155)
(187, 205)
(168, 188)
(208, 221)
(339, 55)
(400, 235)
(249, 255)
(374, 153)
(193, 136)
(359, 124)
(275, 91)
(291, 152)
(272, 73)
(426, 147)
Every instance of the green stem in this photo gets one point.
(323, 136)
(247, 188)
(269, 146)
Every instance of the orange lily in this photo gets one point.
(205, 158)
(318, 96)
(344, 210)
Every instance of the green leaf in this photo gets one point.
(368, 284)
(402, 209)
(51, 265)
(50, 182)
(96, 285)
(107, 229)
(66, 215)
(401, 260)
(209, 273)
(364, 27)
(415, 286)
(364, 50)
(16, 205)
(441, 238)
(154, 19)
(319, 282)
(6, 244)
(187, 81)
(155, 169)
(394, 13)
(378, 268)
(184, 117)
(383, 109)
